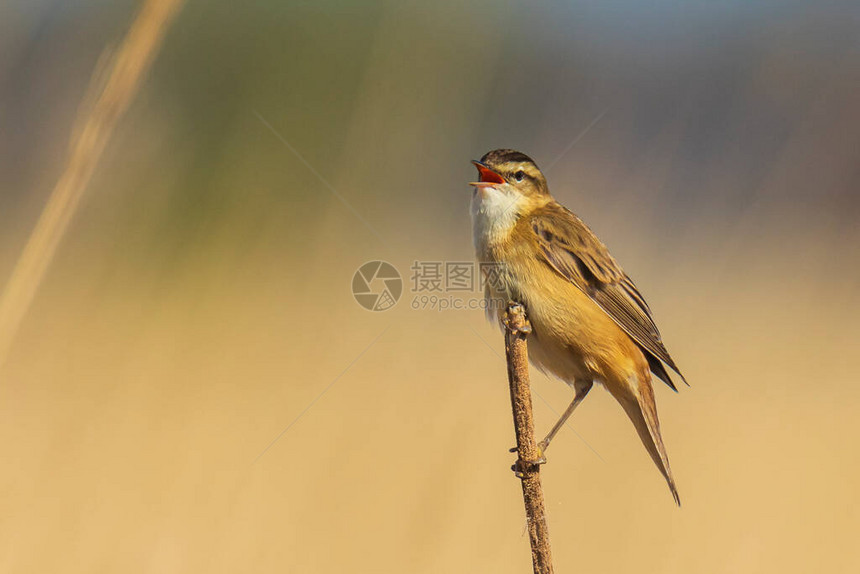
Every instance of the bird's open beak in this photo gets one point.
(488, 178)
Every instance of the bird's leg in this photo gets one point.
(581, 388)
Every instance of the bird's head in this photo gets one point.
(505, 174)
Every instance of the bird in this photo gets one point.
(589, 322)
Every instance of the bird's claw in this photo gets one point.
(521, 466)
(525, 328)
(541, 446)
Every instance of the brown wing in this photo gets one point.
(572, 249)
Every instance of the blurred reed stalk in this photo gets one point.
(109, 99)
(526, 467)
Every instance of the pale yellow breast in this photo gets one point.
(572, 336)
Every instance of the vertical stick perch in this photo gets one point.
(526, 467)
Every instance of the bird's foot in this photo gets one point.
(522, 326)
(521, 466)
(541, 446)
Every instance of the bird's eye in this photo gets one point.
(519, 175)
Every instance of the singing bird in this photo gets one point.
(589, 322)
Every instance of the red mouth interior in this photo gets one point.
(489, 175)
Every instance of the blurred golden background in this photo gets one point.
(194, 388)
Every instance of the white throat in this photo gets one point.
(494, 214)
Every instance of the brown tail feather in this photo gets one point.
(642, 410)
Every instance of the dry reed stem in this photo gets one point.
(527, 469)
(97, 122)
